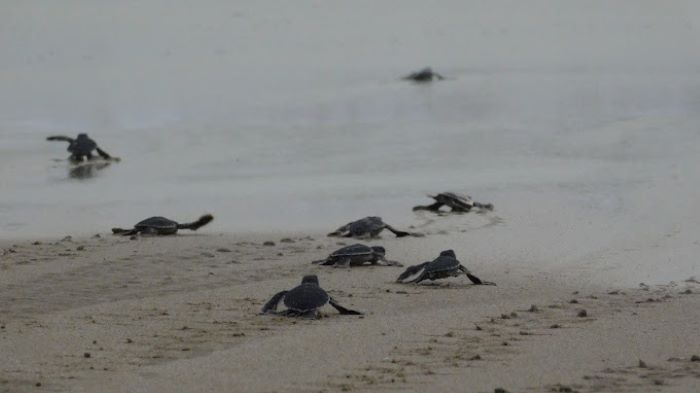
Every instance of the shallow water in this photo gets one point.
(581, 128)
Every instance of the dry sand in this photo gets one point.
(110, 314)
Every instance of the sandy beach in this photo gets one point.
(180, 313)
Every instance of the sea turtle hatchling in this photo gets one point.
(445, 265)
(162, 226)
(81, 147)
(304, 300)
(424, 75)
(367, 227)
(357, 255)
(458, 203)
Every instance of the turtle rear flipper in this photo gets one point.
(202, 221)
(271, 306)
(342, 310)
(410, 271)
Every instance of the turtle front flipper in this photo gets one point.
(103, 154)
(410, 271)
(125, 232)
(271, 306)
(476, 280)
(60, 138)
(396, 231)
(484, 206)
(202, 221)
(434, 207)
(342, 310)
(340, 231)
(343, 262)
(326, 261)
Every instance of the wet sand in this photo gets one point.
(180, 313)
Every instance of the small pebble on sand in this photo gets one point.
(582, 313)
(269, 243)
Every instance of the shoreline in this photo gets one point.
(181, 313)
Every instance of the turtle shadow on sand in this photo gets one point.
(162, 226)
(357, 255)
(369, 227)
(458, 203)
(444, 266)
(446, 285)
(304, 300)
(422, 76)
(87, 170)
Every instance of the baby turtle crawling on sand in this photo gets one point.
(162, 226)
(366, 228)
(458, 203)
(81, 147)
(304, 300)
(424, 75)
(357, 255)
(446, 265)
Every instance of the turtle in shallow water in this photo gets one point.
(366, 228)
(304, 300)
(357, 255)
(458, 203)
(424, 75)
(81, 148)
(162, 226)
(445, 265)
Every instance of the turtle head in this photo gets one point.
(82, 136)
(379, 250)
(310, 279)
(448, 253)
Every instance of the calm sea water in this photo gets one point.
(370, 148)
(577, 120)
